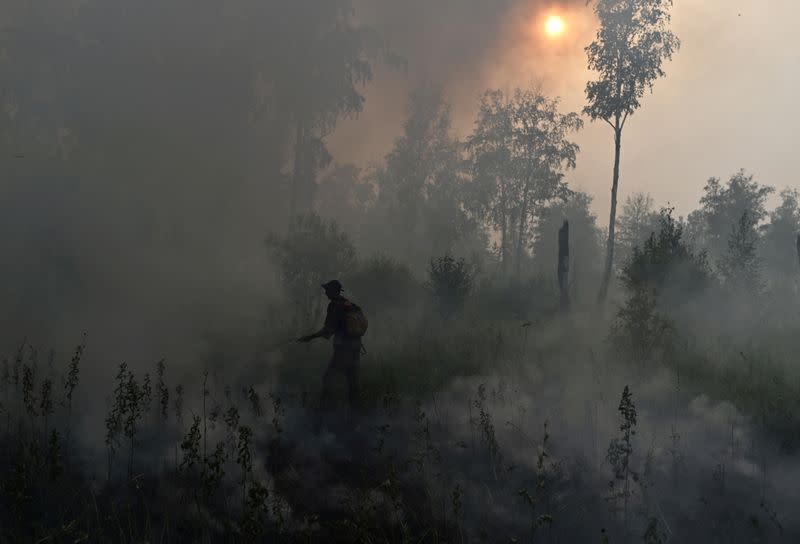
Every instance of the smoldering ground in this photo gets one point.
(520, 451)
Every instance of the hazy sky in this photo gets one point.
(726, 103)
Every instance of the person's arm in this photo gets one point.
(326, 331)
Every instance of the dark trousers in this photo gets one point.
(345, 360)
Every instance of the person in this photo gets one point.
(346, 348)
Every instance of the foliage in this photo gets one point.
(620, 450)
(520, 151)
(507, 298)
(660, 277)
(450, 282)
(382, 284)
(666, 262)
(419, 208)
(635, 224)
(632, 43)
(722, 207)
(343, 196)
(313, 252)
(778, 247)
(639, 329)
(741, 266)
(628, 52)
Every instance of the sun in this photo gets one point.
(554, 26)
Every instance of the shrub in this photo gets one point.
(312, 252)
(450, 282)
(382, 283)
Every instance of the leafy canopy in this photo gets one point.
(627, 53)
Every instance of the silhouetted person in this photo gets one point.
(347, 324)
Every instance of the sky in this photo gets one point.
(727, 102)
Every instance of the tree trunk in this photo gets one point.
(523, 216)
(612, 221)
(563, 265)
(798, 246)
(504, 246)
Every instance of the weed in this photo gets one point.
(620, 451)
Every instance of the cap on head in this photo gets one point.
(333, 285)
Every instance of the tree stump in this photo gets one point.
(563, 265)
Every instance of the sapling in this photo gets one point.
(214, 470)
(654, 534)
(215, 414)
(115, 415)
(28, 398)
(536, 522)
(5, 377)
(232, 423)
(254, 509)
(136, 404)
(456, 499)
(71, 384)
(244, 459)
(146, 393)
(46, 404)
(255, 401)
(620, 451)
(163, 390)
(178, 404)
(205, 419)
(191, 444)
(488, 435)
(277, 413)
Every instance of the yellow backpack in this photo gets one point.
(355, 322)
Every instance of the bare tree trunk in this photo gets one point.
(504, 246)
(612, 221)
(563, 265)
(523, 217)
(798, 246)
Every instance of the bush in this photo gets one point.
(667, 265)
(313, 252)
(381, 284)
(512, 299)
(450, 282)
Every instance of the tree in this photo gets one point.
(741, 266)
(419, 209)
(520, 151)
(722, 207)
(450, 282)
(666, 263)
(636, 223)
(780, 238)
(331, 58)
(661, 278)
(344, 196)
(312, 252)
(628, 52)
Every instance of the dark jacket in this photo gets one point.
(335, 325)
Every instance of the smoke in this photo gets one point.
(462, 48)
